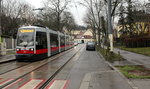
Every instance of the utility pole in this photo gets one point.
(110, 32)
(0, 20)
(0, 16)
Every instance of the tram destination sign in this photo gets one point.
(26, 30)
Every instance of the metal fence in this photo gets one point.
(10, 43)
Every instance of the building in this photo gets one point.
(138, 34)
(141, 24)
(83, 36)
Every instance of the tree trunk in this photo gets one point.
(58, 19)
(99, 37)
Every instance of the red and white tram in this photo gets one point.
(35, 42)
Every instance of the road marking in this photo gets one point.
(12, 84)
(1, 79)
(32, 84)
(84, 85)
(5, 82)
(58, 84)
(86, 81)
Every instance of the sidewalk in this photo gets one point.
(104, 80)
(109, 79)
(135, 58)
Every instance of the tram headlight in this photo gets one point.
(17, 49)
(31, 49)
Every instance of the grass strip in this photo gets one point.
(109, 56)
(135, 72)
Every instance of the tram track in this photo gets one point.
(54, 57)
(51, 77)
(15, 64)
(11, 64)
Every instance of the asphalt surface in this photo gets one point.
(8, 66)
(7, 58)
(40, 70)
(84, 70)
(88, 70)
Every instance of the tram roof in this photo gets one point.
(31, 27)
(45, 28)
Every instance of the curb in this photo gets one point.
(115, 69)
(126, 79)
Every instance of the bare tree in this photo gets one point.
(68, 22)
(58, 7)
(90, 23)
(115, 5)
(94, 8)
(14, 14)
(48, 18)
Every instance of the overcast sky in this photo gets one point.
(77, 10)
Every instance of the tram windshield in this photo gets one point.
(25, 37)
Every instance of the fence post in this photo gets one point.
(3, 47)
(13, 44)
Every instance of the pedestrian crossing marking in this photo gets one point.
(58, 84)
(32, 84)
(5, 82)
(7, 87)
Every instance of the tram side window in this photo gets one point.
(67, 40)
(41, 40)
(54, 40)
(62, 40)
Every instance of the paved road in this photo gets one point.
(85, 70)
(88, 70)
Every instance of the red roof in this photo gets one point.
(88, 37)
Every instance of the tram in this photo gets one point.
(37, 42)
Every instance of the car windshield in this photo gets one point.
(25, 37)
